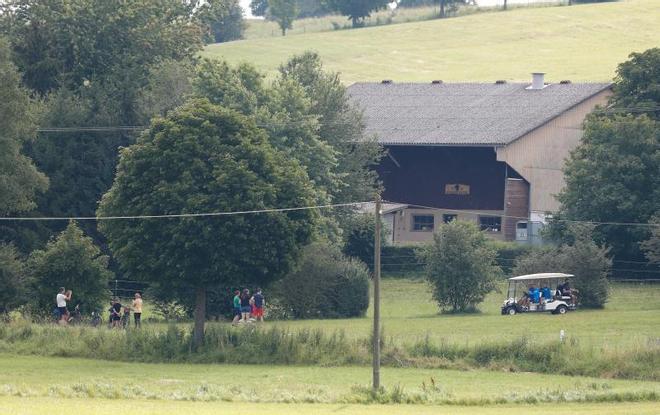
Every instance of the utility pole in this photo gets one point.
(376, 334)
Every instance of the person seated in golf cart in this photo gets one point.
(546, 294)
(567, 292)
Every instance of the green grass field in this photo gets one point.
(40, 385)
(57, 406)
(36, 380)
(631, 317)
(581, 43)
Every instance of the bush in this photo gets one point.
(359, 237)
(70, 260)
(13, 282)
(460, 265)
(325, 284)
(583, 258)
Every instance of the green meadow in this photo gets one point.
(581, 43)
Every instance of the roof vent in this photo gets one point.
(386, 81)
(500, 82)
(537, 81)
(565, 82)
(436, 81)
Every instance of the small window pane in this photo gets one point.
(490, 223)
(423, 223)
(448, 218)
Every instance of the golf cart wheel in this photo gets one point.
(511, 311)
(562, 309)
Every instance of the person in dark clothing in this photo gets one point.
(115, 313)
(245, 305)
(259, 303)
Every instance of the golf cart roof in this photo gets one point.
(542, 276)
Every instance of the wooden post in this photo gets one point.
(376, 334)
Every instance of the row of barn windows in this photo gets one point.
(426, 223)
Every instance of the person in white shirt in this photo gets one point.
(62, 297)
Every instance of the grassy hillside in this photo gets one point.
(583, 42)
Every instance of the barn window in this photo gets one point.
(423, 223)
(448, 218)
(490, 223)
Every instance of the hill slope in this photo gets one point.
(583, 42)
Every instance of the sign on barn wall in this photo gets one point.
(457, 189)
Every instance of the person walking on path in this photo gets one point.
(259, 303)
(61, 298)
(237, 307)
(245, 305)
(137, 310)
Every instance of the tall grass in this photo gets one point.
(254, 345)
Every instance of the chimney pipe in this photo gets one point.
(537, 80)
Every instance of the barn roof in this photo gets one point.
(463, 113)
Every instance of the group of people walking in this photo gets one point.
(248, 307)
(123, 320)
(116, 319)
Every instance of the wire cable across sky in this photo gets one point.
(181, 215)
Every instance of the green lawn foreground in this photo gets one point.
(580, 43)
(56, 406)
(37, 379)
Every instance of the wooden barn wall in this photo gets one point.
(423, 172)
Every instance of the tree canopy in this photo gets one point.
(65, 42)
(20, 181)
(357, 10)
(637, 83)
(206, 158)
(284, 12)
(70, 260)
(614, 176)
(222, 19)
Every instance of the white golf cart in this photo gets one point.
(537, 293)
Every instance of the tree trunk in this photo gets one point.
(504, 4)
(200, 317)
(442, 9)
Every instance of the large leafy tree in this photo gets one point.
(205, 158)
(284, 12)
(93, 60)
(65, 42)
(614, 176)
(637, 83)
(461, 266)
(70, 260)
(20, 181)
(341, 125)
(357, 10)
(222, 19)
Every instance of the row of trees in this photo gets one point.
(218, 139)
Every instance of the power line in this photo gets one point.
(182, 215)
